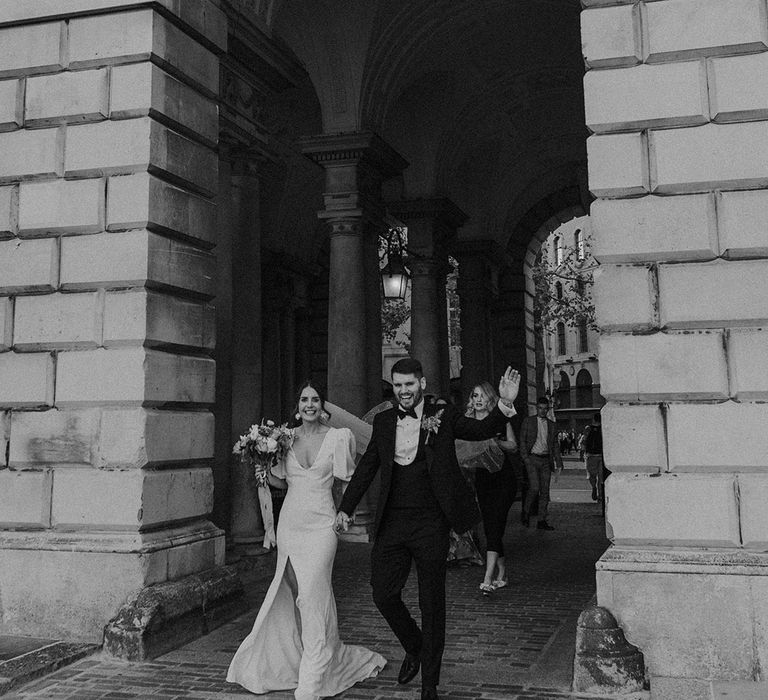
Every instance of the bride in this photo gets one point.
(295, 640)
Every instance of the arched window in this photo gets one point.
(583, 336)
(564, 391)
(558, 243)
(578, 239)
(559, 290)
(561, 339)
(583, 389)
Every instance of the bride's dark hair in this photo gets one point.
(294, 422)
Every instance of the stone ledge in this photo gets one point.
(39, 662)
(165, 616)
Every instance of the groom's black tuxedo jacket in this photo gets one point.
(452, 492)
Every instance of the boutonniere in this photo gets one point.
(431, 424)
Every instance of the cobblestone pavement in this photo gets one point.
(517, 644)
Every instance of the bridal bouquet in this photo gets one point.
(263, 445)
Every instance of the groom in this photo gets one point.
(422, 496)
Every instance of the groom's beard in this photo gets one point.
(413, 401)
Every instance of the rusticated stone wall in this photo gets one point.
(677, 100)
(108, 172)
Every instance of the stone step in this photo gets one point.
(739, 690)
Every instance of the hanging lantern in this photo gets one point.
(394, 279)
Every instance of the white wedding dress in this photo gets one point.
(295, 641)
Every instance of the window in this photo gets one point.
(583, 389)
(561, 339)
(583, 336)
(558, 250)
(578, 237)
(581, 288)
(564, 391)
(558, 290)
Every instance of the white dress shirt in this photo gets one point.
(541, 446)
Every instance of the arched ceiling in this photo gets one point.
(482, 97)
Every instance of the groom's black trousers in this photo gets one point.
(409, 534)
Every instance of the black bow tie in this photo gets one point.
(403, 413)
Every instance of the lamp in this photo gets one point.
(394, 274)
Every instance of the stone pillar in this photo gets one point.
(107, 182)
(355, 166)
(476, 294)
(244, 337)
(432, 225)
(680, 170)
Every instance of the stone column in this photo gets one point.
(245, 339)
(476, 294)
(432, 225)
(680, 170)
(107, 182)
(355, 166)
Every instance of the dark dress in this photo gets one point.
(495, 495)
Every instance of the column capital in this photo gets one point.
(333, 150)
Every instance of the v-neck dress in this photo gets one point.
(295, 640)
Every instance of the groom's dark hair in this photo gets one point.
(408, 366)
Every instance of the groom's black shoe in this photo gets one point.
(409, 669)
(429, 694)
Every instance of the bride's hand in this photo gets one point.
(342, 522)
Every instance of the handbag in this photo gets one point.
(483, 454)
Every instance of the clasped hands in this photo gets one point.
(342, 522)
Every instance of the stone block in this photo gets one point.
(625, 297)
(654, 228)
(684, 29)
(202, 15)
(80, 96)
(663, 367)
(713, 294)
(53, 438)
(132, 376)
(135, 258)
(719, 437)
(136, 438)
(610, 36)
(618, 165)
(58, 321)
(29, 266)
(129, 37)
(61, 206)
(742, 218)
(673, 94)
(26, 381)
(634, 438)
(739, 88)
(680, 510)
(11, 105)
(753, 492)
(143, 89)
(33, 48)
(33, 154)
(25, 499)
(688, 624)
(197, 556)
(722, 156)
(53, 593)
(131, 145)
(9, 212)
(153, 320)
(748, 361)
(6, 323)
(134, 499)
(144, 201)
